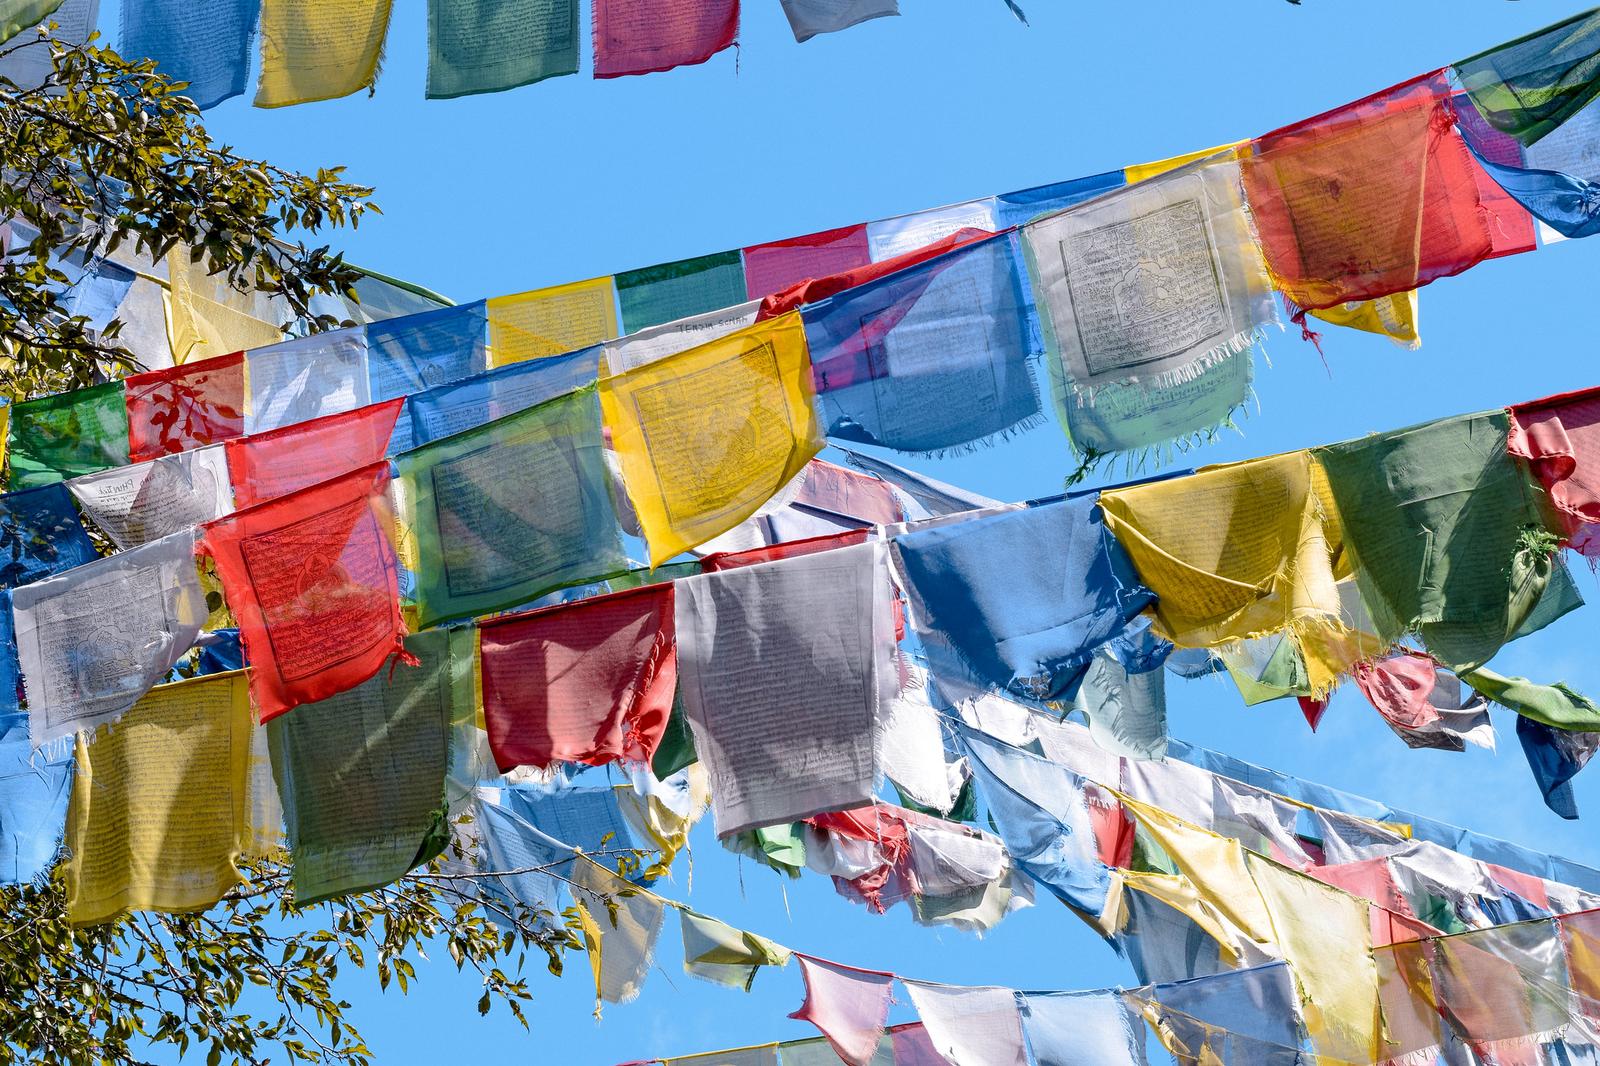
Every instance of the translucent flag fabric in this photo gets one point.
(807, 18)
(40, 535)
(971, 1026)
(890, 237)
(486, 46)
(306, 378)
(785, 670)
(446, 410)
(817, 289)
(708, 436)
(1247, 1015)
(319, 49)
(34, 789)
(58, 437)
(644, 36)
(94, 639)
(1025, 205)
(667, 292)
(553, 321)
(934, 356)
(773, 267)
(507, 512)
(1555, 756)
(415, 352)
(621, 939)
(159, 810)
(848, 1005)
(206, 316)
(264, 466)
(29, 68)
(1376, 197)
(1528, 87)
(588, 682)
(1081, 1029)
(311, 578)
(184, 407)
(362, 773)
(146, 501)
(657, 342)
(207, 46)
(714, 951)
(1019, 600)
(1560, 438)
(1445, 531)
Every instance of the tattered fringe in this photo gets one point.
(1136, 462)
(1193, 370)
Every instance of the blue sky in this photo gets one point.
(574, 178)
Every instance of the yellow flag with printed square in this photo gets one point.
(319, 49)
(161, 803)
(707, 436)
(553, 321)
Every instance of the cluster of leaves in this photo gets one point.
(109, 155)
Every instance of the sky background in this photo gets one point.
(955, 99)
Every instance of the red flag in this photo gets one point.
(264, 466)
(185, 407)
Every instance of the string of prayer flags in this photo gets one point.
(208, 47)
(362, 773)
(716, 952)
(93, 640)
(1021, 600)
(319, 49)
(1025, 205)
(311, 578)
(620, 929)
(446, 410)
(775, 266)
(891, 237)
(488, 46)
(512, 510)
(159, 810)
(1560, 438)
(645, 36)
(146, 501)
(781, 752)
(931, 357)
(1249, 1015)
(705, 438)
(206, 316)
(40, 535)
(416, 352)
(525, 861)
(812, 290)
(1446, 533)
(667, 292)
(971, 1026)
(34, 789)
(265, 466)
(1081, 1029)
(1528, 87)
(849, 1006)
(552, 321)
(1373, 198)
(657, 342)
(807, 18)
(57, 437)
(186, 406)
(306, 378)
(588, 682)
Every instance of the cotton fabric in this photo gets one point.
(1559, 437)
(29, 69)
(716, 952)
(890, 237)
(146, 501)
(94, 639)
(488, 46)
(34, 790)
(1528, 87)
(306, 378)
(807, 18)
(588, 682)
(311, 578)
(816, 289)
(552, 321)
(667, 292)
(848, 1005)
(159, 807)
(319, 49)
(40, 535)
(1025, 205)
(512, 510)
(786, 670)
(776, 265)
(1244, 1015)
(184, 407)
(207, 47)
(416, 352)
(621, 943)
(206, 316)
(707, 436)
(445, 410)
(1556, 756)
(265, 466)
(509, 842)
(971, 1026)
(58, 437)
(1081, 1029)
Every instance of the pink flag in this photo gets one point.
(643, 36)
(1559, 436)
(848, 1005)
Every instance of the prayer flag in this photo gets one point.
(445, 410)
(1025, 205)
(1373, 198)
(40, 535)
(786, 669)
(206, 316)
(588, 682)
(623, 923)
(1081, 1029)
(159, 812)
(184, 407)
(306, 378)
(896, 236)
(311, 578)
(667, 292)
(1393, 316)
(644, 36)
(775, 266)
(362, 773)
(1555, 756)
(319, 49)
(34, 789)
(512, 510)
(94, 639)
(1247, 1016)
(206, 45)
(57, 437)
(415, 352)
(708, 436)
(489, 46)
(657, 342)
(146, 501)
(1560, 438)
(937, 355)
(265, 466)
(29, 67)
(1528, 87)
(807, 18)
(722, 954)
(848, 1005)
(971, 1026)
(553, 321)
(1145, 171)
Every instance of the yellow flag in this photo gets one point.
(564, 318)
(1145, 171)
(1394, 317)
(319, 49)
(707, 436)
(1181, 895)
(160, 804)
(665, 829)
(207, 317)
